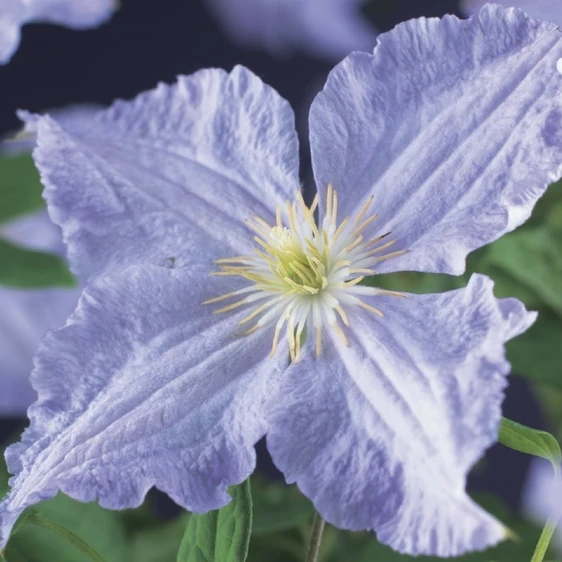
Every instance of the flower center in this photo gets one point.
(306, 276)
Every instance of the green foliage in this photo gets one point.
(159, 542)
(29, 269)
(220, 536)
(20, 188)
(99, 528)
(530, 441)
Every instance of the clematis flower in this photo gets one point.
(27, 314)
(329, 29)
(550, 10)
(542, 497)
(76, 14)
(207, 269)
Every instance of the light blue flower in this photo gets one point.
(329, 29)
(450, 131)
(27, 314)
(76, 14)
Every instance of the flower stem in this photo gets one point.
(35, 519)
(544, 539)
(315, 538)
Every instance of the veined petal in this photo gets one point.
(76, 14)
(549, 10)
(27, 314)
(327, 28)
(452, 125)
(381, 434)
(172, 175)
(143, 387)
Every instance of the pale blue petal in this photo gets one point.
(542, 496)
(144, 387)
(76, 14)
(172, 175)
(329, 29)
(453, 125)
(381, 434)
(25, 315)
(550, 10)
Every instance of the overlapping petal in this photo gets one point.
(549, 10)
(454, 127)
(76, 14)
(381, 434)
(27, 314)
(172, 175)
(329, 29)
(142, 387)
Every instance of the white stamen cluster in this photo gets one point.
(304, 275)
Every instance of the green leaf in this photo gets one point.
(530, 441)
(220, 536)
(278, 507)
(537, 353)
(29, 269)
(533, 258)
(159, 543)
(101, 529)
(20, 188)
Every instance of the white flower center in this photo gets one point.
(306, 276)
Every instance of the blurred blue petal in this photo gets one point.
(25, 315)
(329, 29)
(542, 496)
(76, 14)
(454, 126)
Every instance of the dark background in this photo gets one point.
(148, 41)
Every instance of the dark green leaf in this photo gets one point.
(533, 258)
(278, 507)
(530, 441)
(159, 543)
(20, 188)
(220, 536)
(29, 269)
(537, 353)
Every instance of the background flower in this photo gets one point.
(76, 14)
(329, 29)
(28, 313)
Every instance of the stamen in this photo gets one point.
(318, 341)
(308, 275)
(370, 309)
(340, 333)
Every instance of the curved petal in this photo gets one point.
(381, 434)
(172, 174)
(549, 10)
(76, 14)
(452, 125)
(327, 28)
(143, 386)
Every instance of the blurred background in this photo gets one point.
(146, 42)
